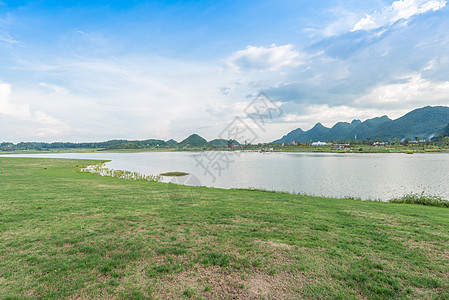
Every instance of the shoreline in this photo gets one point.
(296, 150)
(98, 168)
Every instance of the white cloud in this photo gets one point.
(54, 88)
(132, 98)
(7, 39)
(393, 100)
(342, 20)
(430, 65)
(9, 108)
(399, 10)
(37, 122)
(415, 91)
(5, 36)
(264, 58)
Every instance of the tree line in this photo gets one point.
(112, 144)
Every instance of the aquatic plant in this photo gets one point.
(422, 199)
(174, 174)
(101, 170)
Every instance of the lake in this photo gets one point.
(367, 176)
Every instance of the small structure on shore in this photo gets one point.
(319, 143)
(342, 146)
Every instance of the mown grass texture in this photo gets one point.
(64, 233)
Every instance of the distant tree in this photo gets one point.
(407, 141)
(417, 138)
(446, 140)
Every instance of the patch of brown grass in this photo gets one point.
(231, 285)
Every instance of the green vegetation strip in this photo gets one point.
(174, 174)
(68, 234)
(421, 199)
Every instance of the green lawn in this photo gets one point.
(67, 234)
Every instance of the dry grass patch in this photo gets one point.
(215, 283)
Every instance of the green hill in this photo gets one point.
(193, 140)
(223, 142)
(446, 131)
(426, 123)
(171, 142)
(341, 130)
(296, 135)
(363, 130)
(317, 132)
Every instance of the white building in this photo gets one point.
(319, 143)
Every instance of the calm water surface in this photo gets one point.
(367, 176)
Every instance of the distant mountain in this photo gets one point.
(363, 130)
(425, 123)
(339, 132)
(171, 142)
(446, 130)
(317, 132)
(296, 135)
(194, 140)
(341, 129)
(223, 142)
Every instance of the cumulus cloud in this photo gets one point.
(104, 96)
(128, 98)
(399, 10)
(42, 123)
(265, 58)
(412, 90)
(11, 109)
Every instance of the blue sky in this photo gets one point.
(99, 70)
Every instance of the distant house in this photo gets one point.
(319, 143)
(342, 146)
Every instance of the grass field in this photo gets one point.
(67, 234)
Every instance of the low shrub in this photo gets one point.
(422, 199)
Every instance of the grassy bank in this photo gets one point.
(64, 233)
